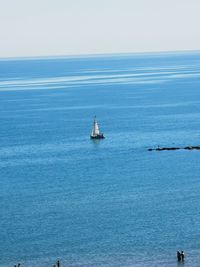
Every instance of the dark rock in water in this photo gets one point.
(166, 148)
(192, 147)
(188, 147)
(174, 148)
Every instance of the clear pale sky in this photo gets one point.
(70, 27)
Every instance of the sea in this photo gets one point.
(107, 202)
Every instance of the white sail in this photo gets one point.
(95, 129)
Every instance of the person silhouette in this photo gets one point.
(182, 255)
(178, 254)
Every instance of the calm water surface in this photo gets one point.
(109, 202)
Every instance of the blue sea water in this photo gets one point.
(100, 203)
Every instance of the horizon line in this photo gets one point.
(93, 55)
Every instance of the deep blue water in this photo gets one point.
(109, 202)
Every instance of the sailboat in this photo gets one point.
(96, 134)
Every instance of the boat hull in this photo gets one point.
(98, 136)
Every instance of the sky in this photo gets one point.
(31, 28)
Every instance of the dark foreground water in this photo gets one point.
(106, 203)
